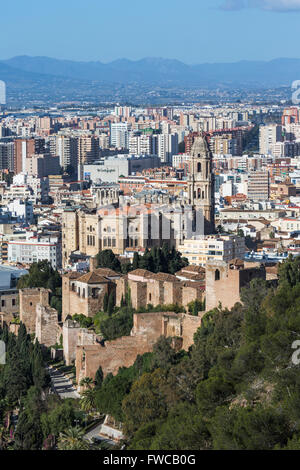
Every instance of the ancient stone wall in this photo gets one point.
(138, 293)
(190, 325)
(88, 301)
(46, 329)
(121, 290)
(29, 298)
(70, 338)
(224, 284)
(190, 293)
(122, 352)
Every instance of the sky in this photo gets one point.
(193, 31)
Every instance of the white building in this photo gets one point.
(35, 249)
(22, 210)
(119, 135)
(178, 160)
(212, 247)
(140, 145)
(166, 145)
(268, 137)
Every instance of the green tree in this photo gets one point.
(111, 304)
(105, 302)
(72, 439)
(99, 378)
(107, 259)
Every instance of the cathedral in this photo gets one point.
(201, 183)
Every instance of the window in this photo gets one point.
(217, 275)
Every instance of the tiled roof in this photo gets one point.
(141, 272)
(106, 272)
(73, 275)
(92, 278)
(164, 277)
(192, 269)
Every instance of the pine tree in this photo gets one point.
(105, 302)
(99, 378)
(111, 304)
(136, 261)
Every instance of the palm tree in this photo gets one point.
(72, 439)
(87, 382)
(88, 400)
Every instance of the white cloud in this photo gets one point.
(269, 5)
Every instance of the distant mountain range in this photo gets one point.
(42, 80)
(162, 72)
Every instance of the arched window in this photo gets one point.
(217, 275)
(199, 167)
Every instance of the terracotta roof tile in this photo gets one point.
(92, 278)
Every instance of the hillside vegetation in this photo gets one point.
(236, 388)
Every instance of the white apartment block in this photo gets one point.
(268, 137)
(166, 146)
(28, 251)
(119, 135)
(140, 145)
(212, 247)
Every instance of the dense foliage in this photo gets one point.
(155, 260)
(236, 388)
(24, 392)
(161, 260)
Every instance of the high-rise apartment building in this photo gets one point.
(268, 136)
(165, 146)
(290, 116)
(24, 148)
(141, 145)
(7, 151)
(66, 148)
(88, 149)
(258, 185)
(119, 135)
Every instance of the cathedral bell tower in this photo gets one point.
(201, 183)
